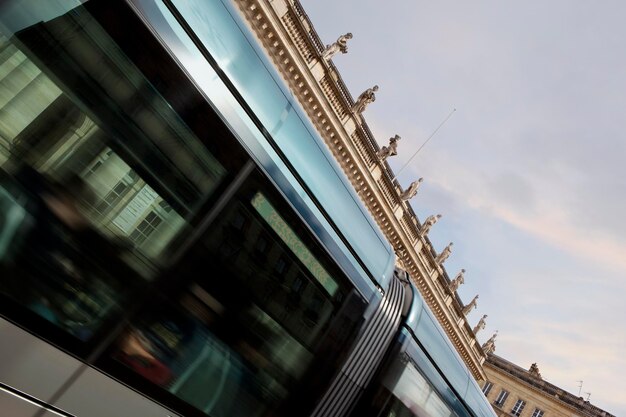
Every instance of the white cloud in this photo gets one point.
(552, 226)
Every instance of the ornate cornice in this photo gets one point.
(291, 42)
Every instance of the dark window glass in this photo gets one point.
(238, 340)
(280, 266)
(261, 245)
(238, 221)
(537, 413)
(518, 407)
(487, 388)
(404, 392)
(501, 398)
(298, 284)
(108, 162)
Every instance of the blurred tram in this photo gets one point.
(175, 238)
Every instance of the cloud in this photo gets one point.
(551, 285)
(520, 202)
(565, 354)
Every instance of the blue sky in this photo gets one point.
(528, 173)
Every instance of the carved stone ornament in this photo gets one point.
(481, 325)
(457, 281)
(470, 306)
(411, 192)
(364, 99)
(341, 45)
(445, 253)
(490, 346)
(534, 371)
(391, 150)
(428, 223)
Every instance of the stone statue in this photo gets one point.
(457, 281)
(340, 46)
(391, 150)
(441, 258)
(410, 192)
(480, 325)
(428, 223)
(364, 99)
(490, 345)
(470, 306)
(534, 371)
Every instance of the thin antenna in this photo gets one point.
(423, 144)
(588, 395)
(580, 387)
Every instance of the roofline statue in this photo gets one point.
(489, 346)
(481, 325)
(387, 151)
(469, 307)
(445, 253)
(341, 45)
(364, 99)
(534, 371)
(411, 192)
(457, 281)
(428, 223)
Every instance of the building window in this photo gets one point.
(501, 397)
(145, 228)
(487, 388)
(518, 407)
(538, 413)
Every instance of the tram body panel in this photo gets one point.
(169, 240)
(30, 364)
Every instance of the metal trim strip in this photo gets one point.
(33, 400)
(365, 356)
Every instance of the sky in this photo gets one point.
(528, 173)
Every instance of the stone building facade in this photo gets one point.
(515, 391)
(303, 60)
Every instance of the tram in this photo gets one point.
(176, 240)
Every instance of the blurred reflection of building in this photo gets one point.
(515, 391)
(49, 132)
(292, 43)
(149, 177)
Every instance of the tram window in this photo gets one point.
(106, 173)
(280, 266)
(241, 334)
(404, 392)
